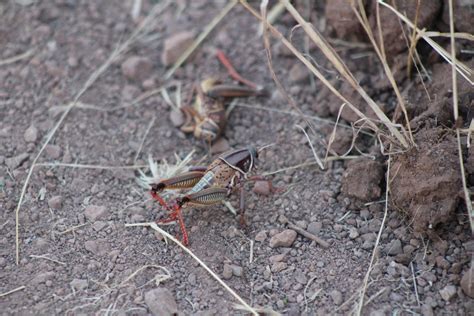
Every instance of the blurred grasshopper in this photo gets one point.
(206, 116)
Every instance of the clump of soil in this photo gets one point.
(361, 180)
(426, 180)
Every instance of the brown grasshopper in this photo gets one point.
(208, 186)
(206, 117)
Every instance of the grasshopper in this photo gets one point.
(206, 118)
(208, 186)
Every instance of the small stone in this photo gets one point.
(97, 247)
(261, 236)
(284, 239)
(220, 146)
(175, 46)
(448, 292)
(137, 68)
(298, 73)
(99, 225)
(467, 282)
(79, 284)
(279, 266)
(31, 134)
(176, 118)
(427, 310)
(53, 151)
(262, 187)
(227, 271)
(395, 247)
(160, 301)
(55, 202)
(315, 227)
(277, 258)
(353, 233)
(236, 270)
(41, 244)
(14, 162)
(94, 212)
(336, 297)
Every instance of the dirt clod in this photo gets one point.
(227, 271)
(79, 284)
(283, 239)
(137, 68)
(361, 180)
(175, 45)
(160, 301)
(53, 151)
(426, 180)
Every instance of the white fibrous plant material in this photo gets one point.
(163, 170)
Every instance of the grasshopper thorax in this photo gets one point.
(243, 160)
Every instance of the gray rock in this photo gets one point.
(261, 236)
(315, 227)
(298, 73)
(175, 46)
(336, 297)
(97, 247)
(161, 302)
(53, 151)
(467, 282)
(79, 284)
(55, 202)
(94, 212)
(31, 134)
(220, 146)
(42, 277)
(353, 233)
(14, 162)
(227, 271)
(137, 68)
(237, 270)
(177, 118)
(394, 247)
(284, 239)
(448, 292)
(262, 187)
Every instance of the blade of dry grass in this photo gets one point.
(304, 60)
(201, 263)
(467, 196)
(380, 51)
(461, 68)
(337, 62)
(377, 241)
(13, 291)
(207, 30)
(16, 58)
(157, 9)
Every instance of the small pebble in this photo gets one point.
(94, 212)
(448, 292)
(261, 236)
(137, 68)
(31, 134)
(160, 301)
(284, 239)
(262, 187)
(55, 202)
(175, 46)
(227, 271)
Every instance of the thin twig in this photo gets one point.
(308, 235)
(13, 291)
(16, 58)
(47, 258)
(86, 166)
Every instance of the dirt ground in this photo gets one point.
(77, 257)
